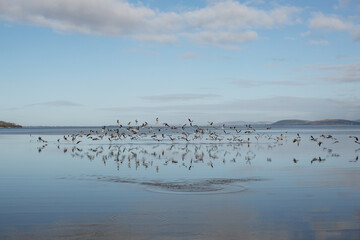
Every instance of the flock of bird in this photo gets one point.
(184, 145)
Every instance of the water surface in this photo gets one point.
(143, 189)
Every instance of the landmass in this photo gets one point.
(9, 125)
(318, 122)
(243, 123)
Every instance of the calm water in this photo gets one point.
(261, 188)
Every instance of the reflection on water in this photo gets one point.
(188, 147)
(189, 186)
(187, 155)
(220, 184)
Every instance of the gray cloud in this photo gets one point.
(59, 103)
(259, 109)
(159, 38)
(340, 73)
(342, 56)
(249, 83)
(219, 23)
(105, 17)
(244, 83)
(284, 83)
(180, 97)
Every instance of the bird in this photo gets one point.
(356, 159)
(181, 148)
(41, 140)
(355, 137)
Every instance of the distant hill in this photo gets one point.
(9, 125)
(319, 122)
(242, 123)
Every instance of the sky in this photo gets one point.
(93, 62)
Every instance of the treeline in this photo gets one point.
(8, 125)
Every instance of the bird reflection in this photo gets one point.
(184, 146)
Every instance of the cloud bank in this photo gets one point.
(334, 23)
(270, 109)
(180, 97)
(339, 73)
(219, 23)
(59, 103)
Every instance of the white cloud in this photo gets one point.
(142, 51)
(189, 55)
(334, 23)
(305, 34)
(223, 38)
(320, 42)
(108, 17)
(234, 15)
(219, 23)
(180, 97)
(342, 4)
(159, 38)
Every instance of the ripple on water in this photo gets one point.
(189, 186)
(193, 187)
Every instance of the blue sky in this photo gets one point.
(92, 62)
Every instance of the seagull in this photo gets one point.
(41, 140)
(356, 139)
(211, 164)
